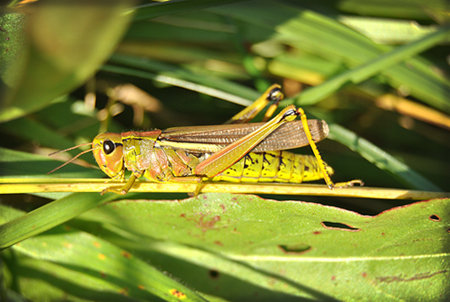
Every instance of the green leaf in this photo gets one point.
(369, 69)
(48, 216)
(177, 76)
(235, 247)
(66, 43)
(154, 10)
(21, 164)
(12, 48)
(315, 32)
(381, 159)
(87, 267)
(251, 245)
(232, 247)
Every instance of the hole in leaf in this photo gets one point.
(338, 226)
(294, 248)
(434, 218)
(214, 274)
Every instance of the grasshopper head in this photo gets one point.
(108, 152)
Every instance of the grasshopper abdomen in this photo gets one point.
(273, 166)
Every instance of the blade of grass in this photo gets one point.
(153, 10)
(369, 69)
(305, 29)
(381, 159)
(88, 257)
(48, 216)
(187, 84)
(169, 70)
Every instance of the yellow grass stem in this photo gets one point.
(40, 185)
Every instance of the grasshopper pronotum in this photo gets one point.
(237, 151)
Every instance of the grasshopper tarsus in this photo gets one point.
(116, 190)
(350, 183)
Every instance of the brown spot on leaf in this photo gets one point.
(205, 223)
(125, 254)
(403, 278)
(218, 243)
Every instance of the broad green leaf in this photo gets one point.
(234, 247)
(296, 248)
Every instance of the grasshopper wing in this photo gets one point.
(209, 139)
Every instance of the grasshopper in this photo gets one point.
(236, 151)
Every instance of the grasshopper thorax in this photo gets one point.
(108, 152)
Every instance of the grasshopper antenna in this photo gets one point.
(72, 159)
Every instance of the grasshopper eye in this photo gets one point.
(108, 146)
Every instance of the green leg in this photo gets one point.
(121, 190)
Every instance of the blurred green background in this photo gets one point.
(376, 71)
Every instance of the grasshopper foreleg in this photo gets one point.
(121, 190)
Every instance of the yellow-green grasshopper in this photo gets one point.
(236, 152)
